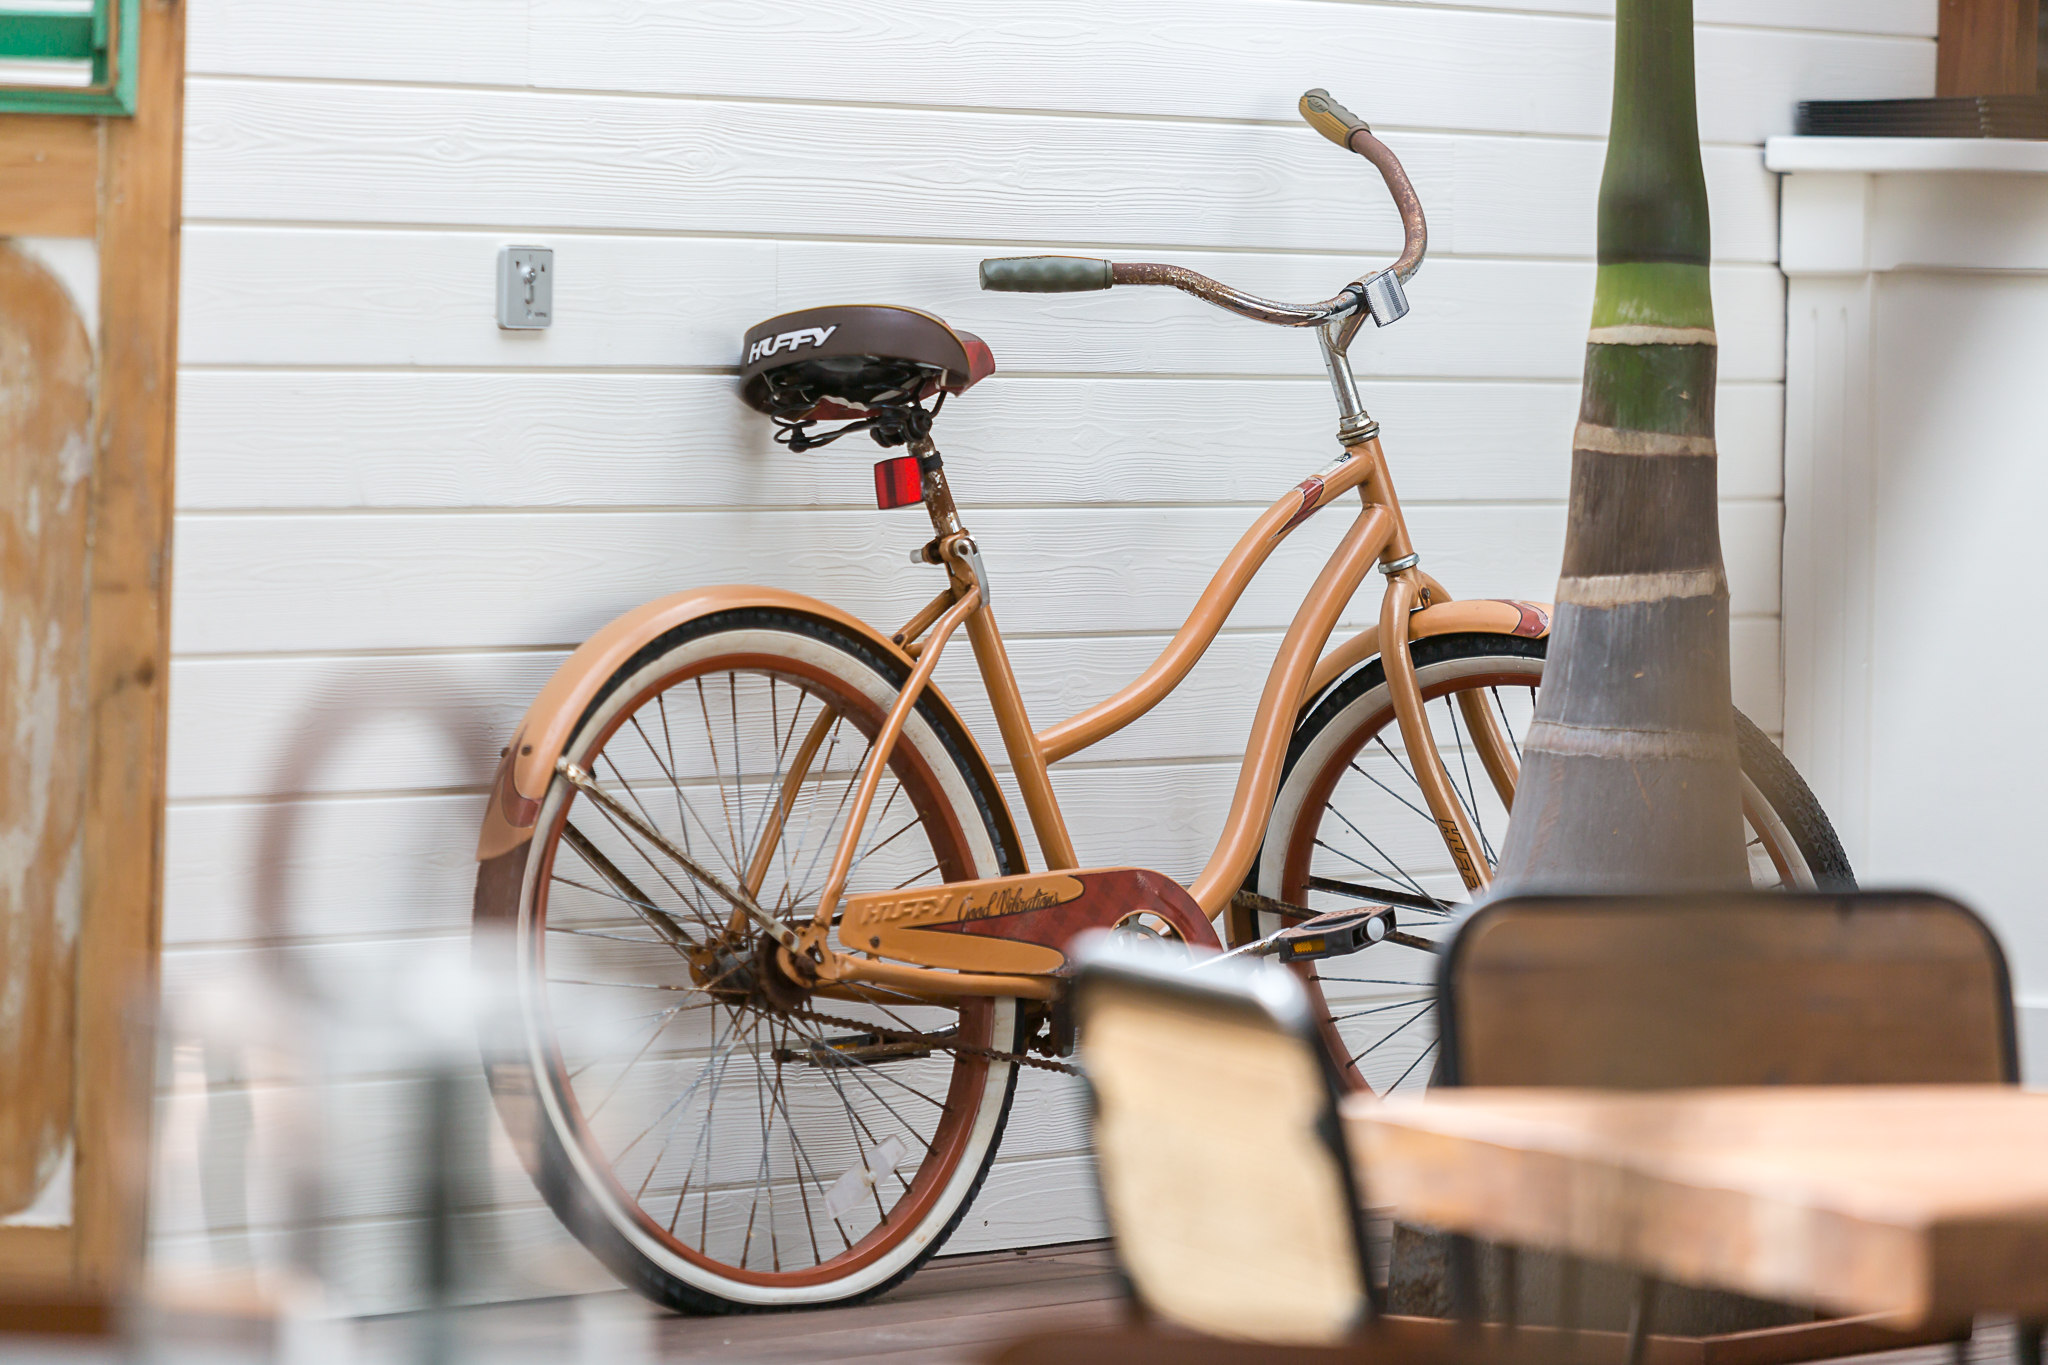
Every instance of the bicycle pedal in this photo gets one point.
(1331, 935)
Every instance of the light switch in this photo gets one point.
(526, 288)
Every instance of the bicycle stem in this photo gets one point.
(1354, 423)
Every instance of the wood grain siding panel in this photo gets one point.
(347, 154)
(485, 42)
(358, 859)
(397, 518)
(435, 581)
(1218, 59)
(295, 439)
(381, 723)
(1230, 59)
(264, 296)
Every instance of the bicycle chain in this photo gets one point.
(940, 1044)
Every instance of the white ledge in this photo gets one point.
(1873, 154)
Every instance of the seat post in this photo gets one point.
(938, 495)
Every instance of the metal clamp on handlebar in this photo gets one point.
(1385, 299)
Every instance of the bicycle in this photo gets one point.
(765, 1018)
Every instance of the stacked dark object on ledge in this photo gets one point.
(2012, 116)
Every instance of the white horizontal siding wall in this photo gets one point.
(396, 519)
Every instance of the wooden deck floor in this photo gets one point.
(956, 1311)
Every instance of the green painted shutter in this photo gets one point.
(87, 51)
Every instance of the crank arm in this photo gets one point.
(737, 899)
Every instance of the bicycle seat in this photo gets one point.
(848, 361)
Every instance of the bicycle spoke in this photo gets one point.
(800, 1158)
(1385, 895)
(675, 785)
(773, 816)
(1506, 728)
(1469, 798)
(810, 816)
(1394, 1032)
(626, 832)
(915, 877)
(717, 768)
(1382, 742)
(652, 915)
(1412, 1065)
(820, 1161)
(845, 797)
(661, 1016)
(1396, 875)
(627, 985)
(1377, 1009)
(732, 691)
(762, 1107)
(1356, 836)
(590, 1115)
(1389, 790)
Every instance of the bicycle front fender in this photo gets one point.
(1490, 616)
(529, 762)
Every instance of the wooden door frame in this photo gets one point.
(116, 179)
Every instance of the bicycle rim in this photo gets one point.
(715, 1145)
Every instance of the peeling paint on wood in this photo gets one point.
(46, 370)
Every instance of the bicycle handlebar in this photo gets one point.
(1045, 274)
(1349, 131)
(1378, 292)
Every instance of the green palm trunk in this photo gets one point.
(1630, 779)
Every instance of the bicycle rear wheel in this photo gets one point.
(720, 1139)
(1351, 824)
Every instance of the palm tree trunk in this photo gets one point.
(1630, 778)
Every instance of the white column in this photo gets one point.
(1916, 481)
(1827, 565)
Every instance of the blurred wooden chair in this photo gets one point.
(1223, 1175)
(1738, 989)
(1220, 1158)
(1749, 988)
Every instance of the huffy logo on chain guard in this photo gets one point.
(1018, 925)
(789, 341)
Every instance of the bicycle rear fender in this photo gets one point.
(529, 762)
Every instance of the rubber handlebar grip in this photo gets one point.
(1330, 118)
(1045, 274)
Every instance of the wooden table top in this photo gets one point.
(1919, 1201)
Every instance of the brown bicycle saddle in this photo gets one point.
(847, 361)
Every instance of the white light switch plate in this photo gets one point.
(526, 288)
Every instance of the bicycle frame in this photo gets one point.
(1378, 536)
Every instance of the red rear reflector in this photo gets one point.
(898, 482)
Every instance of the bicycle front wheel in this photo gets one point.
(720, 1139)
(1350, 824)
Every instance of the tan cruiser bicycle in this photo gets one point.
(775, 957)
